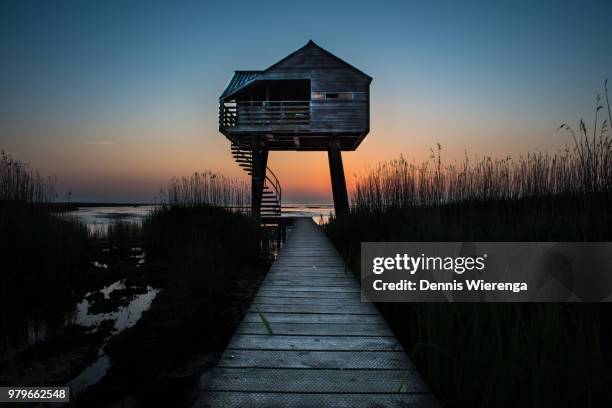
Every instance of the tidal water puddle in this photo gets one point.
(104, 312)
(123, 318)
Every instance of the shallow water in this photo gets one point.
(320, 213)
(122, 317)
(98, 219)
(125, 317)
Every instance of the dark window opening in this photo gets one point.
(331, 96)
(277, 90)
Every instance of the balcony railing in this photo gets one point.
(264, 113)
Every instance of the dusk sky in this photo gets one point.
(116, 97)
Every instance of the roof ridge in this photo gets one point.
(311, 43)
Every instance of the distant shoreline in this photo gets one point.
(94, 204)
(74, 206)
(117, 204)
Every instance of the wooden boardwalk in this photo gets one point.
(326, 348)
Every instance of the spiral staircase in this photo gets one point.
(272, 193)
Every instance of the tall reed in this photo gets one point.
(20, 183)
(586, 167)
(399, 183)
(206, 189)
(208, 260)
(42, 253)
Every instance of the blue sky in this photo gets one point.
(116, 97)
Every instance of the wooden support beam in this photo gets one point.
(259, 162)
(264, 165)
(336, 171)
(256, 177)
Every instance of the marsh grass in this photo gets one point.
(121, 236)
(42, 267)
(40, 249)
(20, 183)
(42, 254)
(582, 167)
(401, 184)
(206, 256)
(207, 262)
(507, 355)
(206, 189)
(502, 355)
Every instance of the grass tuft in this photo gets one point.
(265, 321)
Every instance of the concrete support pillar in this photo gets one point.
(336, 171)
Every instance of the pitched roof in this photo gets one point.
(311, 51)
(243, 78)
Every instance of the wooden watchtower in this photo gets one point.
(310, 100)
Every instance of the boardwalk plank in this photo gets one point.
(306, 400)
(280, 342)
(367, 360)
(310, 294)
(313, 308)
(314, 381)
(278, 300)
(332, 289)
(317, 329)
(312, 318)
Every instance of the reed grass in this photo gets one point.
(121, 236)
(400, 183)
(502, 355)
(584, 166)
(205, 253)
(508, 355)
(169, 231)
(207, 262)
(206, 189)
(40, 250)
(204, 207)
(20, 183)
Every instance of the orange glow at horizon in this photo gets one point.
(137, 159)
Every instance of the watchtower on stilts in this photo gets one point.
(310, 100)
